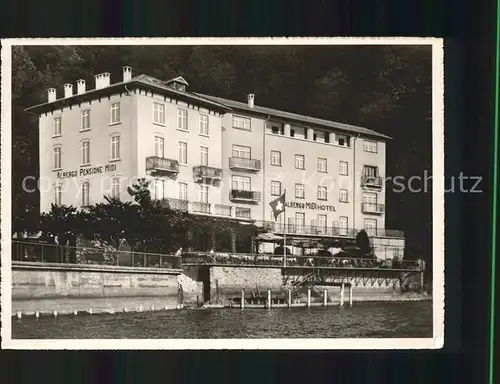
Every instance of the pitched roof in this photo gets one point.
(295, 117)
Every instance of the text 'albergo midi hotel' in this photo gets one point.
(209, 155)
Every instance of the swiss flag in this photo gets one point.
(278, 205)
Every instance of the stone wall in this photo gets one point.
(37, 286)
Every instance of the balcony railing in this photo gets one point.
(204, 173)
(372, 208)
(242, 195)
(371, 181)
(315, 230)
(318, 230)
(175, 204)
(200, 207)
(244, 163)
(25, 251)
(162, 165)
(222, 210)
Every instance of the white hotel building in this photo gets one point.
(211, 156)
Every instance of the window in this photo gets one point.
(204, 125)
(277, 130)
(56, 127)
(300, 219)
(58, 195)
(241, 151)
(57, 158)
(115, 147)
(240, 122)
(241, 183)
(159, 189)
(203, 155)
(299, 162)
(369, 171)
(322, 193)
(292, 132)
(343, 168)
(342, 140)
(315, 136)
(322, 219)
(115, 187)
(370, 198)
(182, 152)
(182, 119)
(159, 146)
(371, 227)
(343, 225)
(343, 196)
(370, 146)
(115, 113)
(322, 162)
(85, 120)
(85, 194)
(183, 189)
(243, 212)
(204, 193)
(299, 191)
(85, 152)
(327, 137)
(158, 113)
(276, 158)
(275, 188)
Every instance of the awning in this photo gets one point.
(270, 237)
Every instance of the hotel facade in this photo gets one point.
(211, 156)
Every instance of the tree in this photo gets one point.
(363, 243)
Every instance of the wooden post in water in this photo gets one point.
(308, 297)
(325, 297)
(342, 295)
(289, 297)
(350, 295)
(242, 299)
(269, 298)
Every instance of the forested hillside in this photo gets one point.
(387, 89)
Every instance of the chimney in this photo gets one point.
(51, 93)
(127, 74)
(68, 90)
(80, 86)
(106, 79)
(98, 81)
(251, 98)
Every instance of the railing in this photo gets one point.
(53, 253)
(222, 210)
(244, 163)
(318, 230)
(156, 163)
(243, 195)
(200, 207)
(203, 172)
(371, 181)
(372, 208)
(308, 229)
(203, 258)
(175, 204)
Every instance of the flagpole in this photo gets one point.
(284, 232)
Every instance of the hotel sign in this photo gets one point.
(310, 205)
(86, 171)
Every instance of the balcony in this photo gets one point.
(371, 181)
(312, 230)
(162, 166)
(244, 196)
(242, 163)
(204, 174)
(174, 204)
(373, 208)
(199, 207)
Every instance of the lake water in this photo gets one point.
(369, 319)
